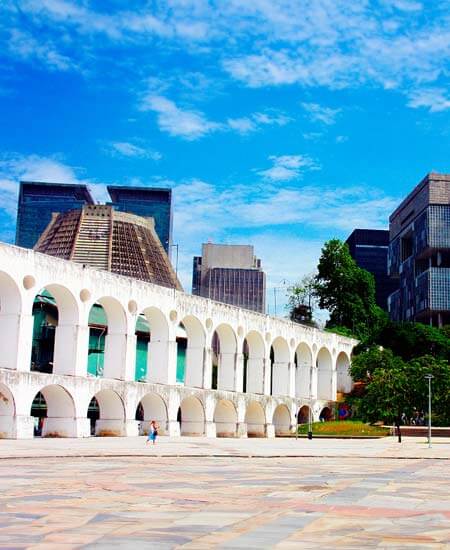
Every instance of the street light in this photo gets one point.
(429, 377)
(275, 290)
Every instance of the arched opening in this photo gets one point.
(7, 412)
(282, 420)
(191, 417)
(158, 348)
(225, 419)
(325, 375)
(304, 372)
(10, 307)
(53, 409)
(343, 378)
(255, 420)
(152, 407)
(107, 338)
(254, 355)
(303, 416)
(224, 348)
(326, 414)
(279, 355)
(195, 349)
(55, 315)
(107, 411)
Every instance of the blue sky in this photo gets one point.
(280, 123)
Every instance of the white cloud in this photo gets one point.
(184, 123)
(256, 121)
(128, 149)
(319, 113)
(433, 99)
(288, 167)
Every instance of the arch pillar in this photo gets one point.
(195, 361)
(120, 355)
(162, 361)
(227, 371)
(239, 372)
(16, 331)
(71, 349)
(267, 374)
(207, 367)
(282, 372)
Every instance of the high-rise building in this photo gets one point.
(369, 249)
(37, 202)
(99, 236)
(419, 253)
(150, 202)
(230, 274)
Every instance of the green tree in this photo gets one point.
(347, 292)
(302, 300)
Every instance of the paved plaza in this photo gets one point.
(216, 496)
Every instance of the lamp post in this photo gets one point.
(429, 377)
(310, 436)
(275, 290)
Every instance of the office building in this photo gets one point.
(419, 253)
(230, 274)
(150, 202)
(369, 249)
(37, 202)
(99, 236)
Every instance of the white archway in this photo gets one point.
(225, 418)
(111, 414)
(195, 352)
(282, 420)
(304, 415)
(343, 379)
(304, 374)
(191, 416)
(255, 363)
(7, 412)
(255, 420)
(154, 408)
(280, 367)
(326, 388)
(226, 358)
(10, 322)
(59, 416)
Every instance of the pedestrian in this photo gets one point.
(153, 432)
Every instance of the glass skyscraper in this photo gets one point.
(419, 253)
(37, 202)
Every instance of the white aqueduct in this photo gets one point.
(289, 368)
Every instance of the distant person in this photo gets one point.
(153, 432)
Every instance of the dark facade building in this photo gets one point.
(37, 202)
(230, 274)
(369, 249)
(150, 202)
(99, 236)
(419, 253)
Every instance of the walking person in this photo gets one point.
(153, 432)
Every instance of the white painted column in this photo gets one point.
(291, 387)
(120, 356)
(16, 335)
(71, 350)
(226, 371)
(162, 362)
(281, 378)
(66, 427)
(255, 375)
(239, 373)
(194, 366)
(267, 370)
(207, 368)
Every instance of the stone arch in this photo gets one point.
(304, 371)
(281, 420)
(304, 414)
(225, 418)
(255, 420)
(111, 413)
(7, 413)
(55, 332)
(153, 408)
(191, 416)
(254, 362)
(224, 346)
(196, 339)
(10, 308)
(59, 416)
(326, 414)
(325, 376)
(158, 348)
(343, 378)
(280, 357)
(107, 338)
